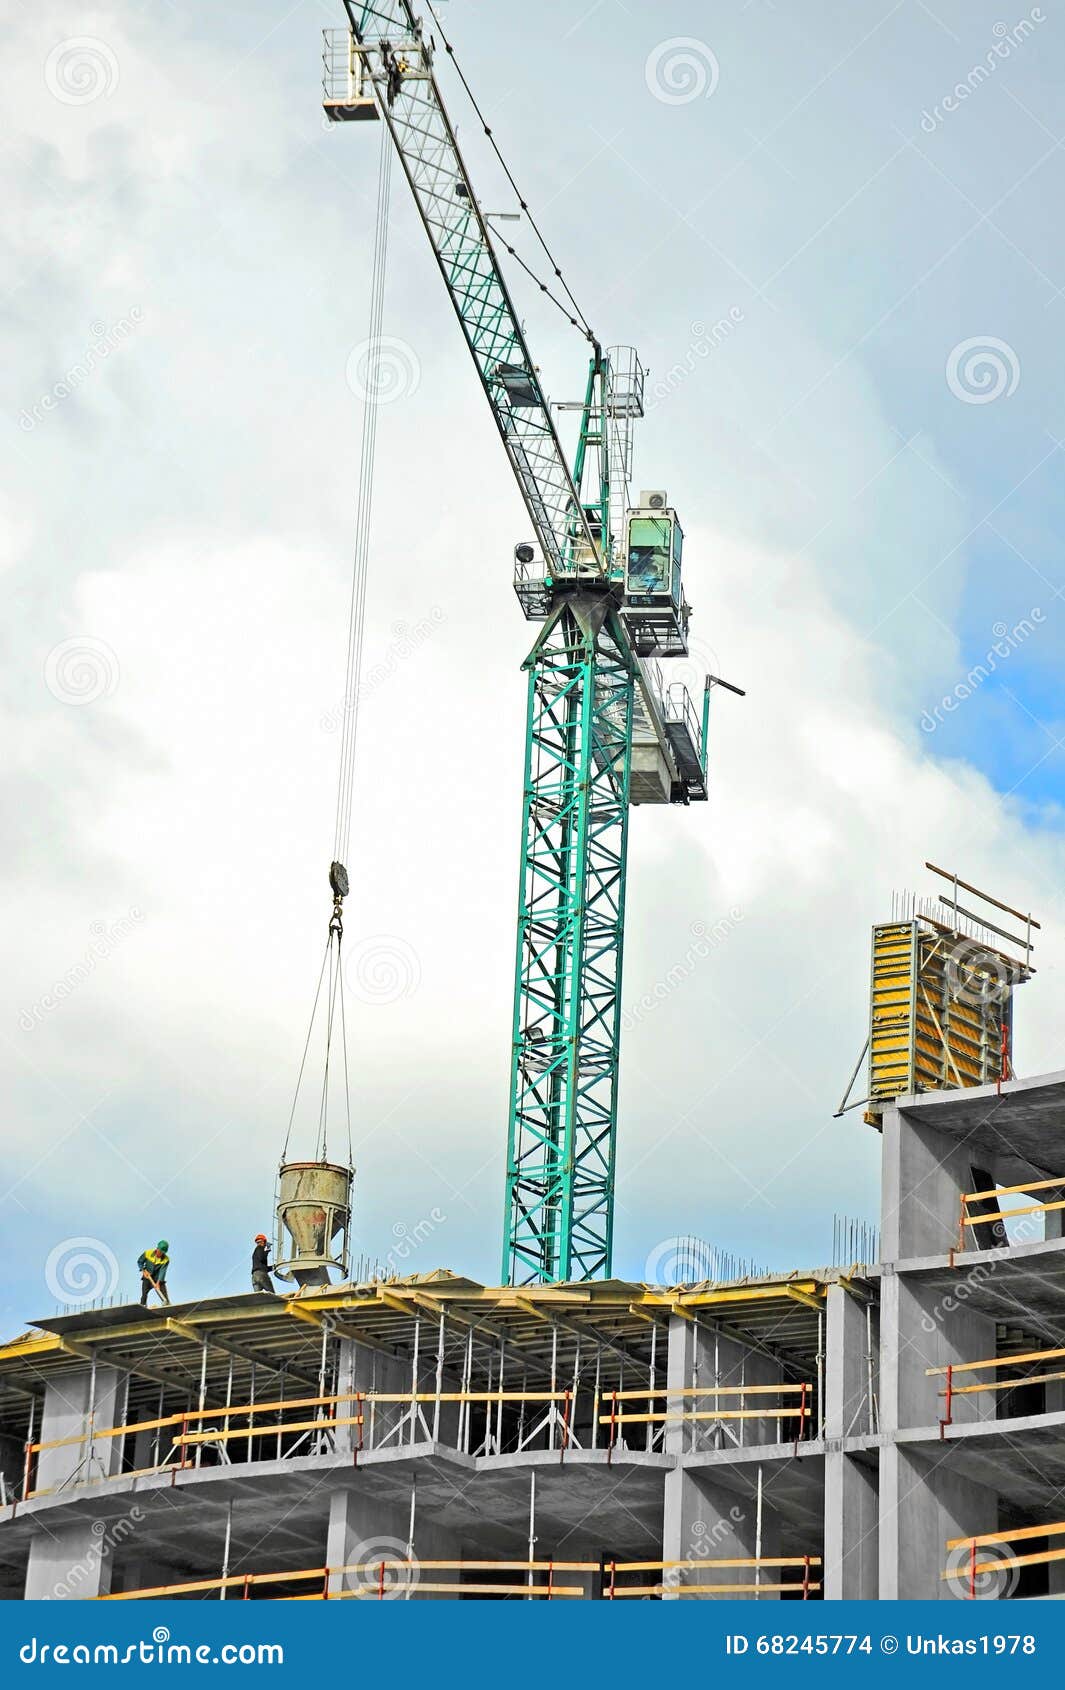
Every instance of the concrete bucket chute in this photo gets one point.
(313, 1220)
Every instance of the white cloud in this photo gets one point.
(192, 510)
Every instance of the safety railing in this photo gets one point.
(616, 1414)
(488, 1422)
(538, 1580)
(969, 1222)
(180, 1436)
(951, 1389)
(381, 1419)
(970, 1565)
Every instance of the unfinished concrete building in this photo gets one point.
(896, 1430)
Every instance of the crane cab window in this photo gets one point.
(654, 554)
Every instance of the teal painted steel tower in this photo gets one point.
(604, 731)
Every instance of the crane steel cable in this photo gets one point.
(364, 497)
(544, 289)
(584, 323)
(332, 959)
(335, 976)
(306, 1048)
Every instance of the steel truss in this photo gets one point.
(419, 125)
(561, 1133)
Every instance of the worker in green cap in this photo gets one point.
(153, 1264)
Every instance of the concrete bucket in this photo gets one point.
(313, 1219)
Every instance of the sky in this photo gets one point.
(831, 232)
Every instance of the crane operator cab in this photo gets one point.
(654, 605)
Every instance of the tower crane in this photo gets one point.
(604, 732)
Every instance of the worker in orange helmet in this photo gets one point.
(260, 1264)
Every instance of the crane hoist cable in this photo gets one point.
(331, 973)
(583, 322)
(363, 504)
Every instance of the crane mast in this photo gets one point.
(602, 731)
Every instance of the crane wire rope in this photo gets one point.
(583, 322)
(364, 498)
(332, 959)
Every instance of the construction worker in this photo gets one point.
(153, 1264)
(260, 1265)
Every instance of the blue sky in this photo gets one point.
(862, 518)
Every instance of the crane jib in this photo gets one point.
(399, 62)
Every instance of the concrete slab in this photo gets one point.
(1020, 1462)
(1020, 1130)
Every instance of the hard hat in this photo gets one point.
(260, 1238)
(162, 1244)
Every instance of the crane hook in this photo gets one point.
(338, 881)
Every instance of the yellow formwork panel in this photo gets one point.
(928, 1031)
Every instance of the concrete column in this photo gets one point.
(847, 1407)
(923, 1504)
(922, 1328)
(701, 1520)
(680, 1349)
(850, 1571)
(850, 1557)
(68, 1564)
(363, 1531)
(924, 1175)
(66, 1413)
